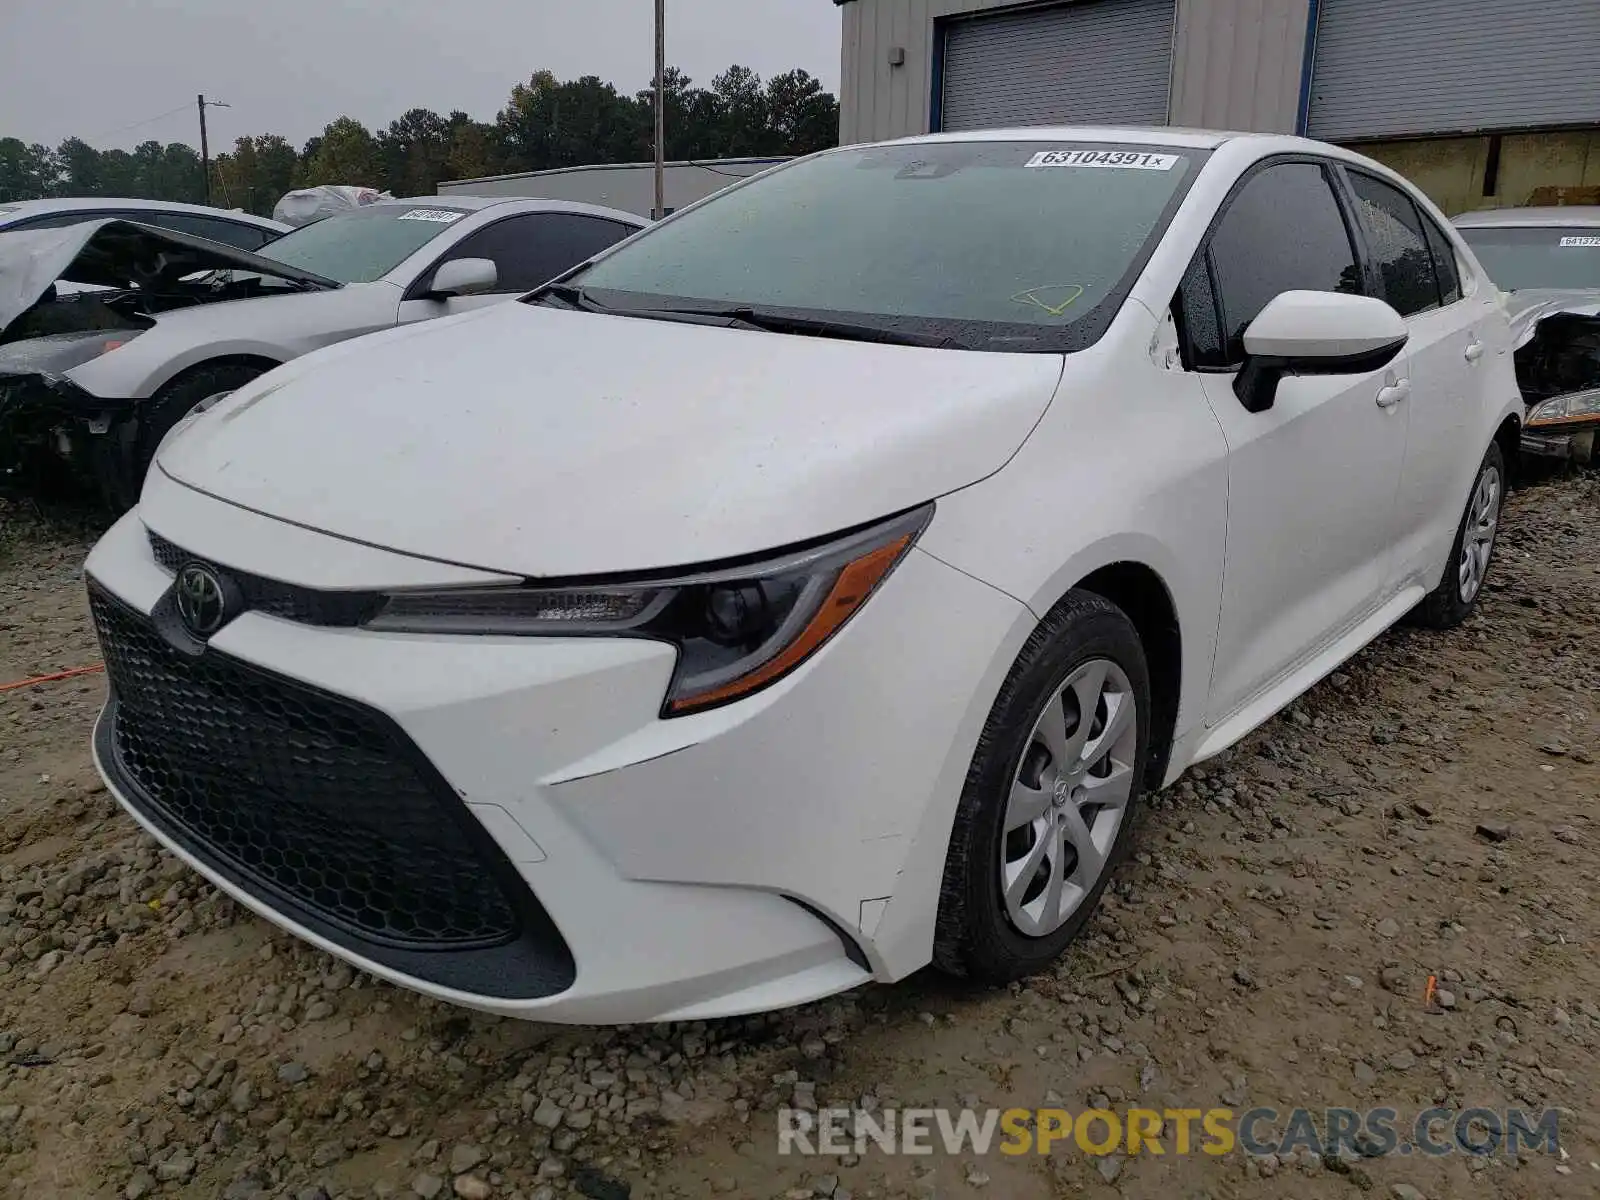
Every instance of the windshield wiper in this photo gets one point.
(746, 317)
(572, 294)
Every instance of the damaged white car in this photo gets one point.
(1548, 261)
(92, 380)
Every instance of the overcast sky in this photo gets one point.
(92, 68)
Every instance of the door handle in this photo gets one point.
(1475, 351)
(1389, 396)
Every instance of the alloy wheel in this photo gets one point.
(1069, 795)
(1477, 539)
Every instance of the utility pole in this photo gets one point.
(661, 109)
(205, 147)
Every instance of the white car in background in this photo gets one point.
(811, 587)
(1548, 260)
(241, 230)
(98, 378)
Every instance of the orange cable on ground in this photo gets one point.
(37, 679)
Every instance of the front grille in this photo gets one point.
(275, 598)
(302, 795)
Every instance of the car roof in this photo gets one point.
(1154, 135)
(520, 203)
(14, 210)
(1530, 218)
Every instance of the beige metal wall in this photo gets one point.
(1236, 64)
(1453, 170)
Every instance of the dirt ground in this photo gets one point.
(1428, 811)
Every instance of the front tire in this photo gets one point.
(1470, 555)
(201, 386)
(1048, 809)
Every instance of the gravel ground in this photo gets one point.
(1430, 810)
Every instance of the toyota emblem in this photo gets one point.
(200, 599)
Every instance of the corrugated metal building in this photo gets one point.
(628, 186)
(1481, 101)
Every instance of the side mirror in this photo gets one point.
(464, 277)
(1315, 333)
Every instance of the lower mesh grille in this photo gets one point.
(300, 794)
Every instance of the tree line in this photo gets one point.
(546, 123)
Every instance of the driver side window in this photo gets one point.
(1282, 231)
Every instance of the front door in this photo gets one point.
(1312, 481)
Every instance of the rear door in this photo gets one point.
(1312, 480)
(1449, 348)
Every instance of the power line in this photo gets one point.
(171, 112)
(715, 170)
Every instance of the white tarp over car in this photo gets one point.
(305, 205)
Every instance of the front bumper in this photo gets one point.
(48, 422)
(752, 857)
(1575, 443)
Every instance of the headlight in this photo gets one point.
(58, 353)
(1571, 408)
(737, 630)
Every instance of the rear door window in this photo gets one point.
(1398, 244)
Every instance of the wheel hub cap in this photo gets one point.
(1477, 540)
(1068, 797)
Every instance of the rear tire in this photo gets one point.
(1048, 809)
(1472, 552)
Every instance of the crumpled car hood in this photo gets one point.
(118, 254)
(544, 442)
(1527, 308)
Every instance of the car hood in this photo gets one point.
(554, 443)
(117, 254)
(1527, 308)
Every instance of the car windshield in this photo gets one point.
(984, 245)
(363, 244)
(1544, 257)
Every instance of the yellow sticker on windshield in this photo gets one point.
(1054, 298)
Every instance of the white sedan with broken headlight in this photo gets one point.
(171, 320)
(1547, 260)
(810, 588)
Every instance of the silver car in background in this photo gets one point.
(94, 379)
(1547, 261)
(240, 229)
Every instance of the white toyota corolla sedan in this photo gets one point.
(808, 589)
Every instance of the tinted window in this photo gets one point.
(1007, 246)
(61, 220)
(229, 233)
(1444, 261)
(536, 247)
(1397, 244)
(1553, 257)
(1283, 231)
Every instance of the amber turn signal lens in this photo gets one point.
(849, 592)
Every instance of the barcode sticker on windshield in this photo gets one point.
(1576, 243)
(1121, 160)
(442, 215)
